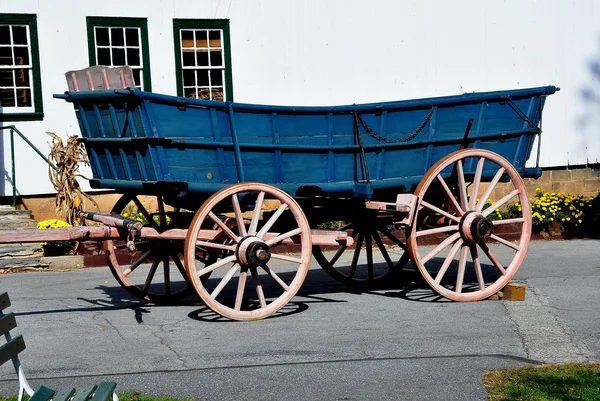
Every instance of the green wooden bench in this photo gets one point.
(10, 351)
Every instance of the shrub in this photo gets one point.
(56, 248)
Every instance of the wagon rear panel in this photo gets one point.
(148, 142)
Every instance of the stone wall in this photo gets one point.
(584, 180)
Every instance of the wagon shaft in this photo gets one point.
(319, 237)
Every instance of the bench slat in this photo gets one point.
(63, 395)
(4, 301)
(42, 394)
(11, 349)
(84, 393)
(7, 323)
(104, 390)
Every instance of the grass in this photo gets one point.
(567, 382)
(133, 396)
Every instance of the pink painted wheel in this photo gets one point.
(257, 219)
(366, 268)
(472, 225)
(155, 271)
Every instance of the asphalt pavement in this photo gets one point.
(331, 342)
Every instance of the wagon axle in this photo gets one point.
(252, 251)
(475, 227)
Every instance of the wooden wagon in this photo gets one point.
(241, 191)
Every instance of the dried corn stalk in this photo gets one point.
(66, 158)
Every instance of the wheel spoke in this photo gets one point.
(167, 274)
(226, 278)
(256, 214)
(440, 247)
(490, 189)
(239, 297)
(177, 262)
(216, 265)
(161, 212)
(223, 227)
(384, 251)
(437, 230)
(447, 261)
(357, 249)
(460, 276)
(271, 221)
(259, 289)
(281, 237)
(476, 182)
(462, 186)
(238, 215)
(144, 212)
(392, 237)
(508, 221)
(477, 264)
(492, 258)
(286, 258)
(440, 211)
(500, 203)
(509, 244)
(215, 245)
(450, 195)
(275, 277)
(138, 262)
(369, 246)
(151, 273)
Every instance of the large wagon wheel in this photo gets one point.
(155, 271)
(458, 242)
(275, 276)
(368, 231)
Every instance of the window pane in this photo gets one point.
(104, 56)
(204, 94)
(4, 35)
(118, 56)
(6, 56)
(137, 77)
(22, 77)
(116, 36)
(102, 37)
(7, 98)
(132, 37)
(215, 38)
(133, 56)
(215, 59)
(19, 35)
(23, 97)
(216, 77)
(189, 78)
(201, 39)
(217, 94)
(187, 38)
(202, 77)
(6, 78)
(202, 59)
(21, 55)
(188, 59)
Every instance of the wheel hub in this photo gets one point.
(252, 251)
(475, 227)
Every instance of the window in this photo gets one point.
(20, 84)
(203, 59)
(116, 42)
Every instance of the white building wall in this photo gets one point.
(347, 51)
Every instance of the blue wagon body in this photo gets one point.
(154, 144)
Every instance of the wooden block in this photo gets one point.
(514, 292)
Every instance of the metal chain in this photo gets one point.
(404, 139)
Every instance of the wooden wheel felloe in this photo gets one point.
(252, 277)
(155, 271)
(459, 243)
(363, 271)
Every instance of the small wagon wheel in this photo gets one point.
(460, 242)
(368, 231)
(254, 250)
(155, 271)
